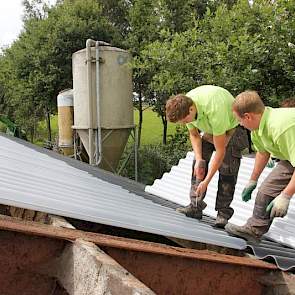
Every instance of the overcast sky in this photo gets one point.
(11, 12)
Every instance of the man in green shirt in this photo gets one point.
(273, 134)
(207, 113)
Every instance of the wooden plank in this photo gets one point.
(34, 228)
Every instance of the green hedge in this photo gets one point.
(154, 160)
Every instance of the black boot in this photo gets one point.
(193, 211)
(220, 221)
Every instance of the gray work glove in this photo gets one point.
(279, 205)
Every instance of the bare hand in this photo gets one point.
(201, 189)
(200, 169)
(199, 173)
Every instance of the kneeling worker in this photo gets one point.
(208, 108)
(272, 133)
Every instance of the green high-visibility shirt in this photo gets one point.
(276, 133)
(214, 110)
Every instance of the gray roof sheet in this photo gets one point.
(39, 179)
(34, 178)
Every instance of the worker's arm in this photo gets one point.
(220, 148)
(290, 188)
(280, 204)
(196, 141)
(261, 160)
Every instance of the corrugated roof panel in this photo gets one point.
(284, 257)
(38, 180)
(175, 186)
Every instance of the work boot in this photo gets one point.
(220, 221)
(244, 231)
(191, 211)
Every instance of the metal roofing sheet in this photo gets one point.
(284, 257)
(40, 180)
(175, 186)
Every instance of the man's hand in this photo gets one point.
(201, 189)
(247, 191)
(279, 205)
(200, 169)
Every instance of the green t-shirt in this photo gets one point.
(214, 107)
(276, 134)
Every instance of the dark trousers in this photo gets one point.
(228, 171)
(271, 187)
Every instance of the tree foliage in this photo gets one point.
(177, 45)
(246, 46)
(153, 21)
(38, 65)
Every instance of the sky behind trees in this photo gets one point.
(11, 13)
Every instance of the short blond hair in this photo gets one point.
(248, 102)
(177, 107)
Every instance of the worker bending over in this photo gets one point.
(273, 134)
(208, 109)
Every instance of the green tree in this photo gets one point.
(242, 47)
(155, 21)
(145, 23)
(38, 64)
(117, 11)
(249, 47)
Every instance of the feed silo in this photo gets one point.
(103, 109)
(65, 121)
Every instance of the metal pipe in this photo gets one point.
(98, 137)
(75, 145)
(90, 43)
(135, 153)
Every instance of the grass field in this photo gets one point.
(41, 134)
(152, 128)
